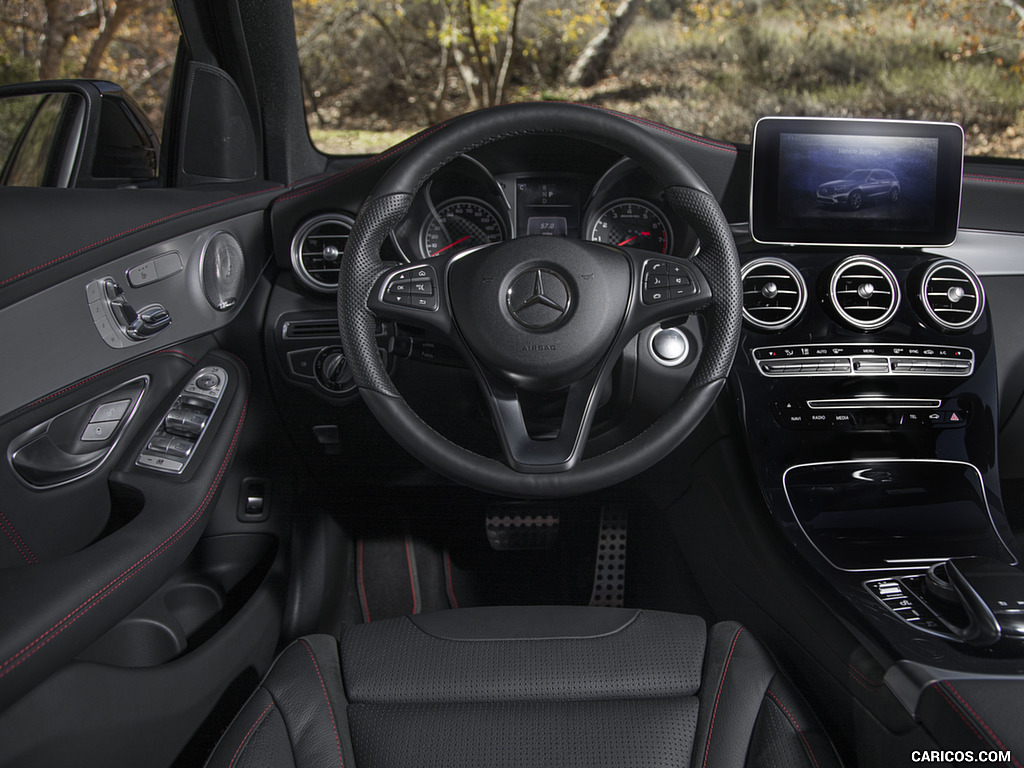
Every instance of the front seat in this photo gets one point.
(539, 686)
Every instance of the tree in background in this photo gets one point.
(131, 42)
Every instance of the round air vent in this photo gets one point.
(774, 293)
(317, 249)
(951, 296)
(222, 270)
(864, 293)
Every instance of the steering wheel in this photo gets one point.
(541, 314)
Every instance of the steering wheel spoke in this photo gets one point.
(544, 453)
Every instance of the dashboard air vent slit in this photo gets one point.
(951, 295)
(864, 293)
(774, 294)
(310, 329)
(317, 250)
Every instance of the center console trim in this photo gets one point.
(913, 565)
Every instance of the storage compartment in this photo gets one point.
(891, 514)
(210, 587)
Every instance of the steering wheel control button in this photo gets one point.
(172, 445)
(539, 298)
(422, 287)
(670, 346)
(414, 287)
(666, 281)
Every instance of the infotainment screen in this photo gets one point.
(823, 181)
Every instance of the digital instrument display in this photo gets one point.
(820, 181)
(548, 206)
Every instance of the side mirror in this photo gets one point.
(74, 133)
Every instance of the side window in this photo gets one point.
(125, 50)
(40, 133)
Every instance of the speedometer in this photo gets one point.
(458, 225)
(635, 223)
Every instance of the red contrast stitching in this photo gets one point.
(132, 570)
(721, 685)
(692, 138)
(99, 375)
(977, 717)
(107, 239)
(863, 680)
(363, 602)
(795, 725)
(369, 162)
(412, 579)
(245, 739)
(19, 543)
(448, 576)
(961, 715)
(993, 179)
(334, 723)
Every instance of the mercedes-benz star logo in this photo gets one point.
(538, 298)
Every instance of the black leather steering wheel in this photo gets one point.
(540, 313)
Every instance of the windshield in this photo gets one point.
(375, 71)
(857, 176)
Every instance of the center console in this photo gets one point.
(869, 401)
(866, 380)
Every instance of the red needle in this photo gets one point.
(629, 239)
(450, 245)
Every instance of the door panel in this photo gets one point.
(88, 532)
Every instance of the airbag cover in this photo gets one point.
(542, 311)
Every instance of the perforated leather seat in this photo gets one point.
(527, 687)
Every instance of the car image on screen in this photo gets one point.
(858, 188)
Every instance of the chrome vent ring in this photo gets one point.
(864, 293)
(952, 295)
(774, 293)
(317, 250)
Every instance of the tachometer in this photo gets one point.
(634, 223)
(458, 225)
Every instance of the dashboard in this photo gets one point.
(857, 363)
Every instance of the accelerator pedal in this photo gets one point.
(610, 569)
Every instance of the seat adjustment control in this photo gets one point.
(117, 321)
(173, 444)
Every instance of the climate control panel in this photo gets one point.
(864, 360)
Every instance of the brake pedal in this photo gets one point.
(522, 532)
(610, 569)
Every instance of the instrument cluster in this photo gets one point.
(467, 205)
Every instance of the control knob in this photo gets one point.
(331, 370)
